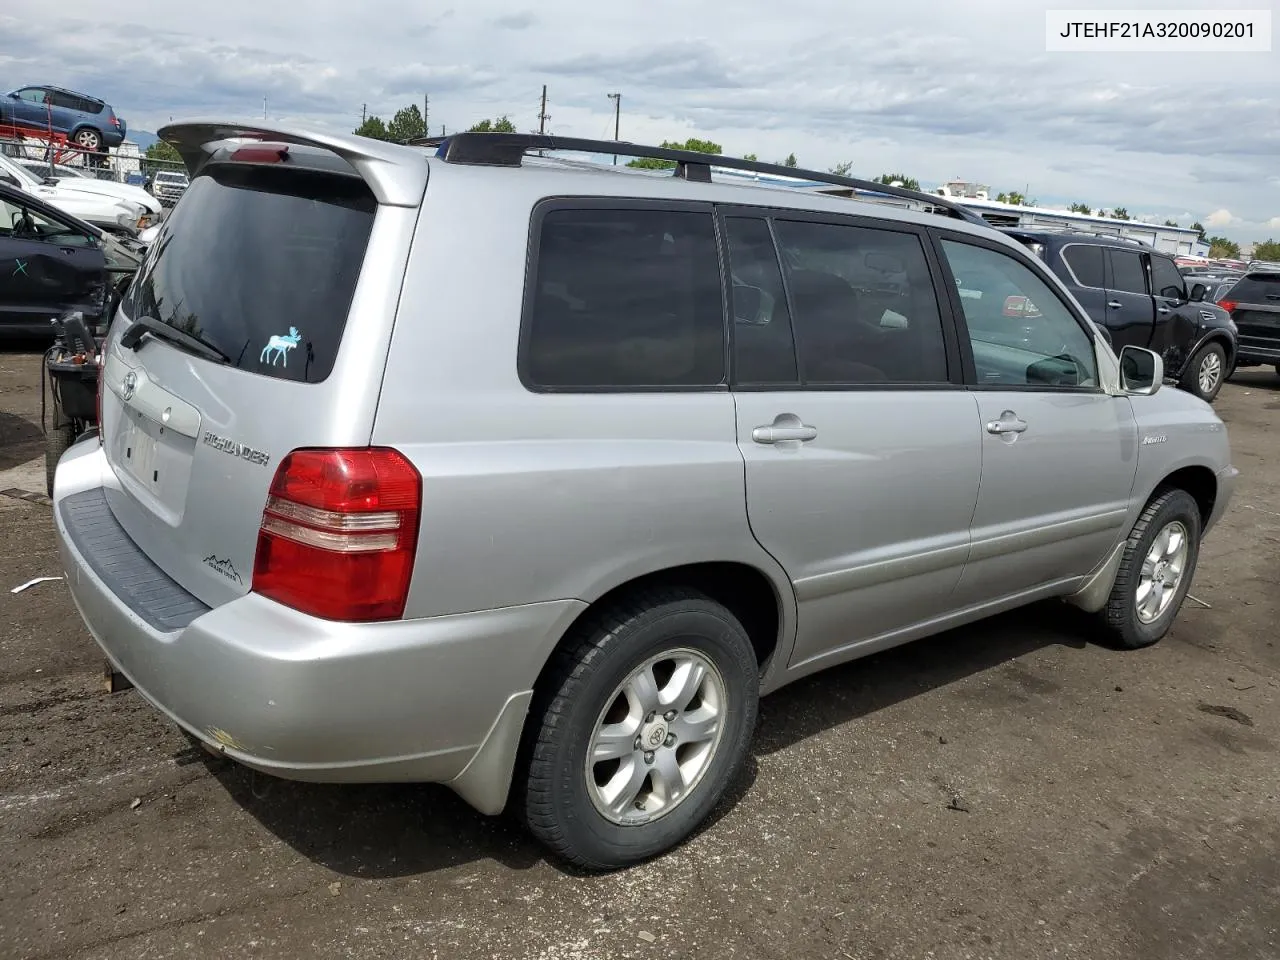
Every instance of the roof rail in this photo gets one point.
(508, 150)
(1076, 231)
(396, 176)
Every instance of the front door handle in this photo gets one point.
(785, 426)
(1162, 310)
(1114, 304)
(1009, 422)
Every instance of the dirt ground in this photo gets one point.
(1010, 790)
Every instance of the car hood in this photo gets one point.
(109, 188)
(91, 207)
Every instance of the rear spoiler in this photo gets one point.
(397, 175)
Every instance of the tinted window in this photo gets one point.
(1166, 281)
(1021, 333)
(1255, 288)
(262, 264)
(864, 309)
(1086, 263)
(1127, 273)
(625, 298)
(67, 100)
(763, 346)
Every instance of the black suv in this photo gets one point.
(1138, 297)
(1254, 304)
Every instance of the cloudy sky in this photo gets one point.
(932, 88)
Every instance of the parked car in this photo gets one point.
(53, 263)
(86, 121)
(1254, 304)
(69, 178)
(531, 479)
(1139, 296)
(168, 186)
(107, 212)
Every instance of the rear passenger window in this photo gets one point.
(1166, 281)
(1127, 273)
(625, 298)
(763, 346)
(863, 303)
(1086, 264)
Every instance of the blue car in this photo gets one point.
(86, 121)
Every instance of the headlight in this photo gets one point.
(126, 219)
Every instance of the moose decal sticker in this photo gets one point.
(278, 348)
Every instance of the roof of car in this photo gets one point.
(1047, 237)
(74, 93)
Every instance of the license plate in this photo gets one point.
(139, 450)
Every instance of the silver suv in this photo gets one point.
(530, 476)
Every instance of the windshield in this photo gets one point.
(24, 176)
(261, 263)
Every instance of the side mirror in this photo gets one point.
(1141, 371)
(1198, 292)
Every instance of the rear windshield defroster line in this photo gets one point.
(261, 264)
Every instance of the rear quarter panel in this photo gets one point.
(530, 497)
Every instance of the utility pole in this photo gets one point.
(426, 112)
(617, 119)
(364, 113)
(264, 108)
(542, 115)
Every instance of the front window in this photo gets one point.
(1021, 333)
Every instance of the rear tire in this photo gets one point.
(1156, 570)
(1206, 372)
(89, 139)
(56, 442)
(632, 670)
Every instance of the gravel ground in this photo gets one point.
(1009, 790)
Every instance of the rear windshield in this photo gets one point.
(262, 264)
(1256, 288)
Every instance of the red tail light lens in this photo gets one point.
(339, 533)
(1228, 305)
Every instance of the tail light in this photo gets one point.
(1229, 305)
(115, 121)
(339, 533)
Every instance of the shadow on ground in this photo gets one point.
(380, 831)
(20, 440)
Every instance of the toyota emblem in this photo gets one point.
(130, 384)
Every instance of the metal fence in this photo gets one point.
(125, 164)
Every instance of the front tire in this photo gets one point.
(645, 719)
(1206, 372)
(1156, 570)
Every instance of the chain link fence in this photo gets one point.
(125, 164)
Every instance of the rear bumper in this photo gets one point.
(299, 697)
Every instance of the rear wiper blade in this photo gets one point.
(163, 331)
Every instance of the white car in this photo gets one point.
(69, 178)
(109, 213)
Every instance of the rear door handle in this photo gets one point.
(1114, 304)
(1009, 422)
(1162, 310)
(779, 434)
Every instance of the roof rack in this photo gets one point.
(508, 150)
(1066, 228)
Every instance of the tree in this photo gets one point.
(1120, 213)
(1222, 248)
(750, 156)
(373, 128)
(909, 183)
(1199, 228)
(406, 124)
(501, 125)
(163, 152)
(1012, 197)
(1171, 223)
(1082, 208)
(1268, 250)
(791, 161)
(692, 144)
(843, 168)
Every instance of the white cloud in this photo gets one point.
(1220, 218)
(930, 88)
(1274, 222)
